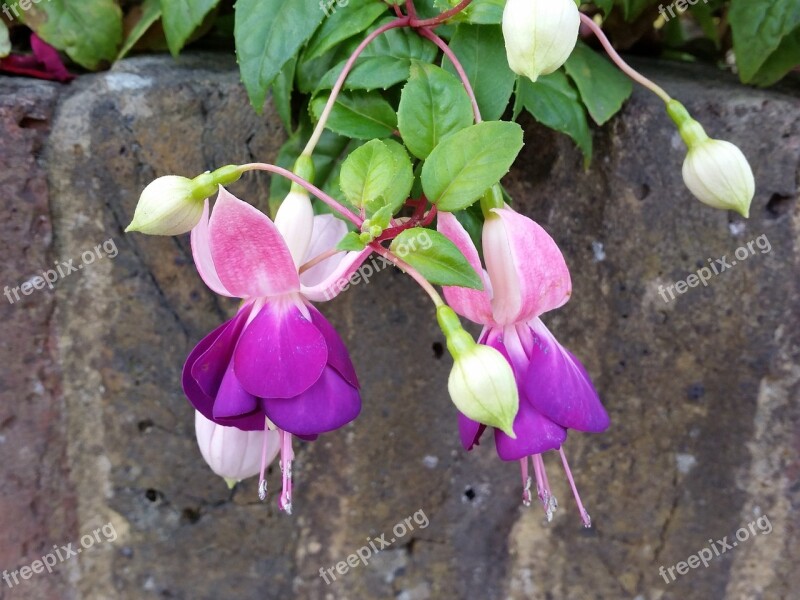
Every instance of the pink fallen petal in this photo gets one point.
(50, 58)
(250, 256)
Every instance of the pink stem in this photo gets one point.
(438, 20)
(318, 259)
(323, 119)
(411, 271)
(459, 69)
(625, 67)
(587, 520)
(310, 187)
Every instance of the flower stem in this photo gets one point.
(310, 187)
(438, 20)
(625, 67)
(323, 119)
(448, 52)
(407, 268)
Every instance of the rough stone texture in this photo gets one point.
(703, 391)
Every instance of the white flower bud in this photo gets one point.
(718, 174)
(482, 383)
(540, 35)
(232, 453)
(168, 206)
(295, 221)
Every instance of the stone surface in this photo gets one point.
(702, 390)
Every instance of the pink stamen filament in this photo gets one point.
(318, 259)
(262, 482)
(526, 482)
(625, 67)
(287, 456)
(587, 520)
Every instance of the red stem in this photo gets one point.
(427, 33)
(438, 20)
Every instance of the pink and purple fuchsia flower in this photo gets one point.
(278, 364)
(525, 277)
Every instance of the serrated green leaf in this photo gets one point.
(554, 102)
(180, 19)
(151, 12)
(351, 242)
(603, 87)
(759, 27)
(482, 52)
(90, 34)
(346, 22)
(5, 41)
(436, 258)
(268, 33)
(433, 106)
(466, 164)
(367, 173)
(385, 62)
(359, 114)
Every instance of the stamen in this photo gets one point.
(287, 456)
(262, 482)
(587, 520)
(526, 482)
(549, 502)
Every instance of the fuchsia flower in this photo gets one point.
(525, 277)
(278, 363)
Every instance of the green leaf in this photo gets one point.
(554, 102)
(433, 106)
(605, 5)
(351, 20)
(634, 8)
(781, 62)
(395, 196)
(282, 92)
(436, 258)
(151, 12)
(268, 33)
(482, 52)
(603, 87)
(367, 173)
(759, 27)
(385, 62)
(181, 18)
(351, 242)
(486, 12)
(90, 33)
(462, 167)
(361, 115)
(5, 41)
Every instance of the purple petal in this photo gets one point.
(329, 404)
(470, 431)
(281, 353)
(535, 434)
(232, 400)
(338, 357)
(559, 387)
(208, 365)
